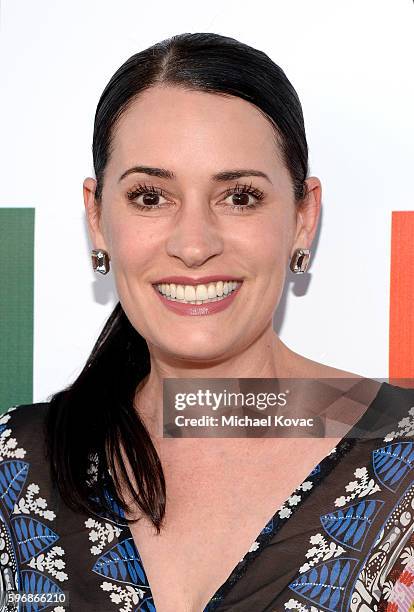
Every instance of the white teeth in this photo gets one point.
(201, 292)
(198, 294)
(189, 293)
(211, 291)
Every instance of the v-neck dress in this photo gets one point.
(343, 540)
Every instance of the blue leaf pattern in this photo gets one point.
(25, 536)
(322, 584)
(35, 582)
(392, 462)
(350, 526)
(13, 476)
(32, 536)
(122, 563)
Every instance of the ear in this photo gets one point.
(307, 215)
(93, 214)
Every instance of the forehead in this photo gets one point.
(190, 129)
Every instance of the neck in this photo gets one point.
(267, 357)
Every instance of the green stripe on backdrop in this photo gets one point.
(16, 306)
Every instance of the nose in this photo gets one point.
(196, 236)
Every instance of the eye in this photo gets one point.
(242, 194)
(150, 193)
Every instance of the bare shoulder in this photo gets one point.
(307, 368)
(360, 388)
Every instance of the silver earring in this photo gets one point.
(300, 261)
(100, 261)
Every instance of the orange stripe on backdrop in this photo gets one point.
(401, 349)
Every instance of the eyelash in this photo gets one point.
(143, 189)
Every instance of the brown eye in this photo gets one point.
(241, 194)
(149, 196)
(241, 199)
(149, 199)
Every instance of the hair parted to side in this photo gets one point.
(94, 419)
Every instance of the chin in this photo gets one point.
(197, 351)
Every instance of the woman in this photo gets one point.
(201, 200)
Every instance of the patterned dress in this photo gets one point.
(343, 540)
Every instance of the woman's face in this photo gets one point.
(202, 225)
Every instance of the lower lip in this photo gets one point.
(198, 309)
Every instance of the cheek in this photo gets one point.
(269, 251)
(271, 248)
(268, 245)
(133, 242)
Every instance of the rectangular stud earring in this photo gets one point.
(300, 260)
(100, 261)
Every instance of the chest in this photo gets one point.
(216, 507)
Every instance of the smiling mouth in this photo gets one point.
(198, 294)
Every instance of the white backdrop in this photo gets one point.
(351, 64)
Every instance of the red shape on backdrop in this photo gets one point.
(401, 331)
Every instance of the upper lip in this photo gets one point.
(187, 280)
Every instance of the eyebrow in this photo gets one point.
(225, 175)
